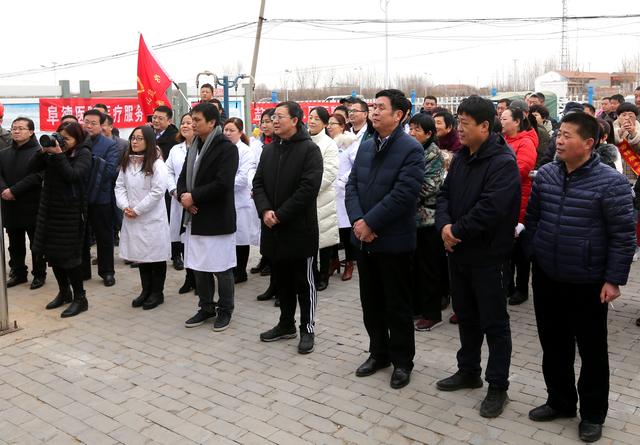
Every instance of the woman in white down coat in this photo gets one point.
(144, 237)
(326, 202)
(348, 144)
(174, 163)
(246, 214)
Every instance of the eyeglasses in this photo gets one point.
(275, 117)
(356, 111)
(19, 129)
(158, 118)
(137, 138)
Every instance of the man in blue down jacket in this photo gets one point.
(476, 214)
(381, 199)
(581, 233)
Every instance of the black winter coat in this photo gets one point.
(63, 205)
(213, 189)
(580, 226)
(287, 181)
(25, 185)
(480, 197)
(383, 189)
(167, 140)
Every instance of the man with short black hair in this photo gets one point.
(285, 190)
(101, 196)
(604, 107)
(476, 214)
(502, 105)
(361, 126)
(162, 122)
(381, 199)
(107, 131)
(205, 190)
(206, 92)
(429, 104)
(535, 99)
(20, 192)
(580, 227)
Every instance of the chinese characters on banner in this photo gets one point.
(257, 108)
(126, 112)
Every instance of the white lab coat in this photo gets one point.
(348, 144)
(144, 239)
(245, 209)
(174, 164)
(256, 149)
(326, 202)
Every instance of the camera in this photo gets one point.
(50, 141)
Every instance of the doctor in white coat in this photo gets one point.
(246, 215)
(144, 237)
(326, 202)
(174, 163)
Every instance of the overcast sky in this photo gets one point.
(444, 52)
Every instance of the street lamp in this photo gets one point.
(288, 72)
(359, 69)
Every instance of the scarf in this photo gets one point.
(193, 164)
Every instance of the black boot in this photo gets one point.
(323, 282)
(159, 273)
(268, 294)
(145, 280)
(64, 296)
(189, 283)
(79, 304)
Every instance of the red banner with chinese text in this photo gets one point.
(126, 112)
(630, 157)
(257, 108)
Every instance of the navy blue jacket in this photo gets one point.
(480, 198)
(383, 189)
(106, 149)
(580, 226)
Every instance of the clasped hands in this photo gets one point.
(363, 232)
(450, 241)
(7, 195)
(129, 212)
(269, 218)
(187, 202)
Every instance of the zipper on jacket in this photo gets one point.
(565, 185)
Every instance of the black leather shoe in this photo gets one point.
(276, 302)
(37, 282)
(371, 366)
(15, 280)
(140, 299)
(518, 298)
(240, 278)
(79, 304)
(61, 299)
(400, 378)
(258, 267)
(109, 280)
(268, 294)
(545, 413)
(589, 432)
(322, 284)
(494, 403)
(178, 264)
(266, 271)
(154, 300)
(458, 381)
(306, 343)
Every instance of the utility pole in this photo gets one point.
(254, 65)
(564, 52)
(386, 43)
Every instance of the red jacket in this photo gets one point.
(524, 145)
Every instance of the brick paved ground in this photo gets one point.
(121, 375)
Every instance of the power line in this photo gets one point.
(93, 61)
(466, 20)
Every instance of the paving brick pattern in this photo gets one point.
(121, 375)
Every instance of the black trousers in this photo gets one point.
(322, 267)
(206, 288)
(18, 253)
(242, 257)
(479, 298)
(428, 284)
(295, 282)
(101, 218)
(177, 249)
(385, 295)
(520, 268)
(69, 277)
(345, 240)
(153, 275)
(567, 314)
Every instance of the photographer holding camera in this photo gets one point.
(65, 160)
(20, 193)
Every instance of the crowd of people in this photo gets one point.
(432, 208)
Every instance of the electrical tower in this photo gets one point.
(564, 54)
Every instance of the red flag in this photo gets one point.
(153, 81)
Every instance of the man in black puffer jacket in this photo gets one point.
(476, 214)
(581, 231)
(285, 189)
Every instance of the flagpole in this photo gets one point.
(182, 94)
